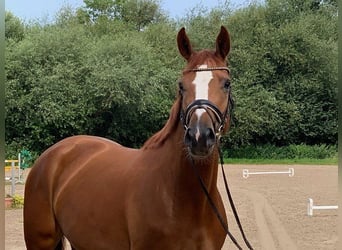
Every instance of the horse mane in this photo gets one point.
(160, 137)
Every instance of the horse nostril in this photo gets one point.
(189, 137)
(210, 136)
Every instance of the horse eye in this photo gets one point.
(227, 84)
(180, 86)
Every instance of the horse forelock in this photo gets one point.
(204, 57)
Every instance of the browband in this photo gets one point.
(207, 69)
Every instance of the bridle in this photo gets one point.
(221, 119)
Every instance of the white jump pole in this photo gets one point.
(246, 173)
(311, 207)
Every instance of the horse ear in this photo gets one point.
(223, 43)
(184, 45)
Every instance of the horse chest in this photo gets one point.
(165, 224)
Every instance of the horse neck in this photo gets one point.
(174, 162)
(185, 168)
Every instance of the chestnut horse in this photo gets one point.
(101, 195)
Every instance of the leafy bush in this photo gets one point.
(18, 201)
(113, 74)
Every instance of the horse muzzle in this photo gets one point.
(200, 141)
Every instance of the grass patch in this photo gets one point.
(304, 161)
(292, 154)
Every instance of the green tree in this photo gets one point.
(62, 81)
(103, 70)
(14, 28)
(138, 13)
(102, 9)
(141, 13)
(46, 99)
(131, 85)
(277, 52)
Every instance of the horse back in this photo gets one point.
(76, 154)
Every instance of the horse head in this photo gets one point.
(205, 93)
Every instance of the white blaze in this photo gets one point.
(201, 82)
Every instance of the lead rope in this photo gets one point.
(215, 210)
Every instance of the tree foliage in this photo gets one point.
(14, 29)
(138, 13)
(285, 61)
(110, 68)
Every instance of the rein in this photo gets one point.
(215, 209)
(232, 205)
(221, 119)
